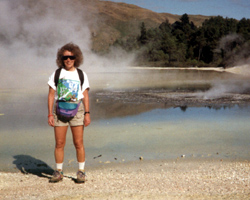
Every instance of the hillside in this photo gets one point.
(106, 20)
(116, 20)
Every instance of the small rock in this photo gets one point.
(97, 156)
(70, 161)
(141, 158)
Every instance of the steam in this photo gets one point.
(31, 33)
(41, 26)
(236, 52)
(221, 89)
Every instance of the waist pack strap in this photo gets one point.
(66, 105)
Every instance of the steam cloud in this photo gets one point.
(31, 33)
(240, 60)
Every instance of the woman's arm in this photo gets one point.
(51, 97)
(85, 101)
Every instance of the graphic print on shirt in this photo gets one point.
(67, 90)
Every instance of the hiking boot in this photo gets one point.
(56, 177)
(80, 176)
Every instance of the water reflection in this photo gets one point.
(197, 132)
(183, 108)
(119, 103)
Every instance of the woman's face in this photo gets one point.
(68, 60)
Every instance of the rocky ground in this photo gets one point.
(115, 103)
(178, 179)
(175, 98)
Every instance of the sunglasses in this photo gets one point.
(70, 57)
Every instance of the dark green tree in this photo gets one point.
(212, 31)
(183, 31)
(243, 28)
(229, 49)
(165, 27)
(143, 37)
(219, 41)
(169, 47)
(198, 42)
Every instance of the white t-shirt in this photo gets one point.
(69, 85)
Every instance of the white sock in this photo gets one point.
(81, 166)
(59, 166)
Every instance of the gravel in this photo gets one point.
(179, 179)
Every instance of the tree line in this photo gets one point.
(218, 42)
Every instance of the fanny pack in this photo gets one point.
(66, 110)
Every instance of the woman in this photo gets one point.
(70, 91)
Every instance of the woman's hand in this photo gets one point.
(51, 120)
(87, 120)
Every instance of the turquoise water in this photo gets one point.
(122, 132)
(171, 133)
(156, 134)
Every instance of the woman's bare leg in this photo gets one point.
(60, 138)
(77, 132)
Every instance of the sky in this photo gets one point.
(236, 9)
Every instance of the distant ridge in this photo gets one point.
(118, 20)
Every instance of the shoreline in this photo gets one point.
(242, 70)
(219, 69)
(176, 179)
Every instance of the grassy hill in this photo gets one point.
(116, 20)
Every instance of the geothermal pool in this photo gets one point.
(122, 131)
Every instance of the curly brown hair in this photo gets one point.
(73, 48)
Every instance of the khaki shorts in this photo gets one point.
(76, 121)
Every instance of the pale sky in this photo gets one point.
(237, 9)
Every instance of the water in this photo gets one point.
(122, 132)
(170, 133)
